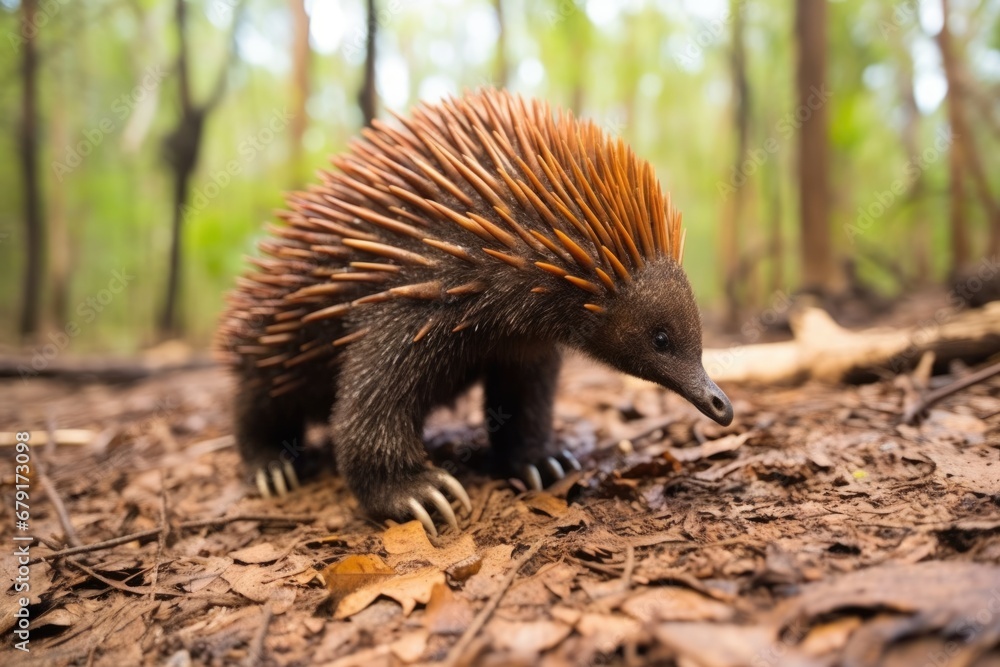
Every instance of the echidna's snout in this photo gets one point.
(707, 397)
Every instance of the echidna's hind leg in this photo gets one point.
(520, 392)
(270, 434)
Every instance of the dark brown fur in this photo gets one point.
(409, 352)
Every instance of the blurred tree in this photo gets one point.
(367, 97)
(732, 217)
(817, 257)
(964, 154)
(921, 237)
(300, 85)
(34, 220)
(180, 148)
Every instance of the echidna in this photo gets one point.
(469, 242)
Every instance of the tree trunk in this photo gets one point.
(33, 218)
(732, 217)
(169, 323)
(955, 74)
(817, 258)
(960, 254)
(300, 84)
(920, 238)
(181, 148)
(60, 241)
(367, 96)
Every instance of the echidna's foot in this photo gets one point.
(553, 467)
(412, 500)
(275, 479)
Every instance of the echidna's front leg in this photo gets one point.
(378, 446)
(520, 392)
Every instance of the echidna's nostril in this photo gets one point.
(718, 404)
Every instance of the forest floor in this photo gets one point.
(816, 530)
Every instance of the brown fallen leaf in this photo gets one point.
(447, 614)
(726, 645)
(408, 544)
(257, 583)
(545, 503)
(354, 572)
(464, 569)
(527, 638)
(407, 589)
(673, 603)
(264, 552)
(608, 632)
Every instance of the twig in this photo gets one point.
(929, 399)
(626, 581)
(161, 542)
(55, 498)
(254, 657)
(98, 546)
(484, 615)
(119, 586)
(647, 429)
(223, 520)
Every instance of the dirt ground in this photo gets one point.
(816, 530)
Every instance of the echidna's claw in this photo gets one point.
(274, 481)
(555, 468)
(456, 489)
(431, 492)
(278, 479)
(261, 479)
(421, 515)
(444, 507)
(568, 457)
(291, 476)
(533, 477)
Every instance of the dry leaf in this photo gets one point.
(406, 589)
(527, 638)
(672, 603)
(447, 614)
(408, 543)
(354, 572)
(264, 552)
(545, 503)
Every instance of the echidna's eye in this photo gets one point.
(660, 340)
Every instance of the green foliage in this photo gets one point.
(654, 71)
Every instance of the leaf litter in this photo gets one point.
(817, 530)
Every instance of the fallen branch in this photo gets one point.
(823, 350)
